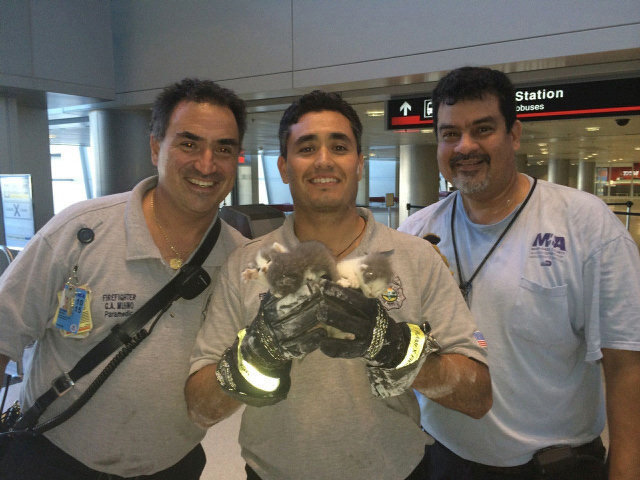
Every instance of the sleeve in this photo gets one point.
(28, 296)
(225, 317)
(443, 306)
(611, 278)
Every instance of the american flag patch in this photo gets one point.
(480, 338)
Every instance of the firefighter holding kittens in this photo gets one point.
(320, 406)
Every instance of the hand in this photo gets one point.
(255, 369)
(377, 337)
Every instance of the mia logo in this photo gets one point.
(550, 240)
(548, 248)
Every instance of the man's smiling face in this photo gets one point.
(197, 158)
(323, 166)
(475, 151)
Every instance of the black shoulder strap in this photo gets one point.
(190, 281)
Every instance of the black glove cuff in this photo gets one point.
(395, 343)
(249, 383)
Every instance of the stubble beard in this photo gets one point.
(468, 185)
(467, 182)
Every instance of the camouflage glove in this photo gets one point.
(256, 368)
(376, 336)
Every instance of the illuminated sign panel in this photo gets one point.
(588, 99)
(17, 209)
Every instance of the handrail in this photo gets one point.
(628, 213)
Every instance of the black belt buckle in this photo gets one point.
(62, 384)
(556, 458)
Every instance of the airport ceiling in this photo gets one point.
(599, 139)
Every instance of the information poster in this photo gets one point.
(17, 209)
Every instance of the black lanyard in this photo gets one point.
(465, 287)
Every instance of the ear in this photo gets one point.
(516, 133)
(360, 166)
(282, 168)
(155, 149)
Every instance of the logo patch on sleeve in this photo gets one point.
(480, 338)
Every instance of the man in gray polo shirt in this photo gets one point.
(118, 251)
(315, 408)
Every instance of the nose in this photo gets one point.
(206, 162)
(323, 158)
(466, 144)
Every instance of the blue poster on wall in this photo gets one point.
(17, 209)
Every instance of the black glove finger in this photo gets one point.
(304, 344)
(339, 348)
(294, 325)
(350, 300)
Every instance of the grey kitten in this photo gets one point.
(370, 273)
(285, 272)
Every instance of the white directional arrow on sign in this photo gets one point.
(404, 108)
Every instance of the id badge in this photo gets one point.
(75, 321)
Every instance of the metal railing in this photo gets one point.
(628, 213)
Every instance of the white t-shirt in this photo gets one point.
(563, 284)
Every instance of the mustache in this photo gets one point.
(461, 157)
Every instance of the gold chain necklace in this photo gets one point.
(175, 262)
(354, 240)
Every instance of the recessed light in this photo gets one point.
(592, 129)
(375, 113)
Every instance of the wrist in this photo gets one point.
(246, 378)
(403, 346)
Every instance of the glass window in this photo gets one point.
(272, 190)
(68, 175)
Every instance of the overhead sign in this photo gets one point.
(588, 99)
(406, 113)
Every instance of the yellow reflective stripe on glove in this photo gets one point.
(252, 374)
(416, 345)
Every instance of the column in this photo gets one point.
(120, 141)
(559, 171)
(418, 177)
(586, 176)
(362, 199)
(24, 148)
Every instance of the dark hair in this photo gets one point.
(473, 83)
(194, 90)
(317, 101)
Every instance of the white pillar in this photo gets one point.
(418, 177)
(559, 171)
(586, 176)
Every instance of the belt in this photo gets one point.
(595, 448)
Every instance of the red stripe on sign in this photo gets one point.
(580, 112)
(410, 120)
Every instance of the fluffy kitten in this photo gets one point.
(370, 273)
(284, 272)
